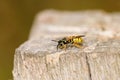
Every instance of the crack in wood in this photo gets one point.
(89, 70)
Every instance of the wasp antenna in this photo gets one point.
(55, 40)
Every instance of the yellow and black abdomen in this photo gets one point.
(78, 40)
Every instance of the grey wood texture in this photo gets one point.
(99, 59)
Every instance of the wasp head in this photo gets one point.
(61, 43)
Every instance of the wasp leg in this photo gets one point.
(57, 47)
(78, 45)
(65, 47)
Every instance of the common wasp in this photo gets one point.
(66, 42)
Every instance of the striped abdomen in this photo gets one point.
(78, 40)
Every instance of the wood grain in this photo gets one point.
(99, 59)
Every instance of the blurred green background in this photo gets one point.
(16, 17)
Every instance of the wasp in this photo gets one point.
(65, 42)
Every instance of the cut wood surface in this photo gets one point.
(99, 59)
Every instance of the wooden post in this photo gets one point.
(99, 59)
